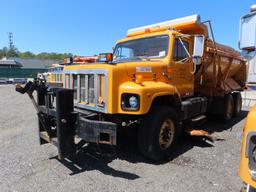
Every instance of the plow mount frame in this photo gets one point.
(60, 124)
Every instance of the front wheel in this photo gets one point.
(158, 133)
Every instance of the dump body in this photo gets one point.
(223, 71)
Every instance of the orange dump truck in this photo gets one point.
(247, 169)
(159, 79)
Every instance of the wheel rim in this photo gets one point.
(229, 109)
(166, 134)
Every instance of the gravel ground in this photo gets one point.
(196, 165)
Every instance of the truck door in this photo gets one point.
(182, 66)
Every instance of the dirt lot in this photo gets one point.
(195, 166)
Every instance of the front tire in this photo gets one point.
(158, 133)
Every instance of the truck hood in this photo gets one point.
(148, 69)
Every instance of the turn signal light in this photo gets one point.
(105, 57)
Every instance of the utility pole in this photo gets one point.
(10, 35)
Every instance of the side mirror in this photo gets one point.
(105, 57)
(198, 49)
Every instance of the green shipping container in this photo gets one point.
(20, 72)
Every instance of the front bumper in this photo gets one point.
(96, 131)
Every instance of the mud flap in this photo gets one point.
(202, 133)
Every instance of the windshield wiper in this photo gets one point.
(127, 59)
(140, 58)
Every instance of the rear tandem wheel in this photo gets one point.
(228, 108)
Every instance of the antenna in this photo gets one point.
(11, 46)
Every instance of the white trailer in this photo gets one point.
(247, 42)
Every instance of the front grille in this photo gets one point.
(75, 85)
(90, 88)
(67, 81)
(101, 89)
(82, 89)
(59, 78)
(55, 77)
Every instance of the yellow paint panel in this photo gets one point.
(249, 127)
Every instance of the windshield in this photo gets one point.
(146, 48)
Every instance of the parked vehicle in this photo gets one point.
(159, 78)
(55, 75)
(3, 80)
(247, 44)
(19, 80)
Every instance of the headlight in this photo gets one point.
(133, 101)
(130, 102)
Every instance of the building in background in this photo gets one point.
(36, 63)
(9, 63)
(24, 68)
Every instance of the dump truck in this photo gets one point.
(54, 76)
(160, 80)
(247, 169)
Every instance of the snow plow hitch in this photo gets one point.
(58, 121)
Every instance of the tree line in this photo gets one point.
(14, 52)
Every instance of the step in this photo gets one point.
(55, 141)
(196, 121)
(198, 118)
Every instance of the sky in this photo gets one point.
(88, 27)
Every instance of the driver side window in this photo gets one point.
(179, 51)
(123, 52)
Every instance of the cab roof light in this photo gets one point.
(167, 24)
